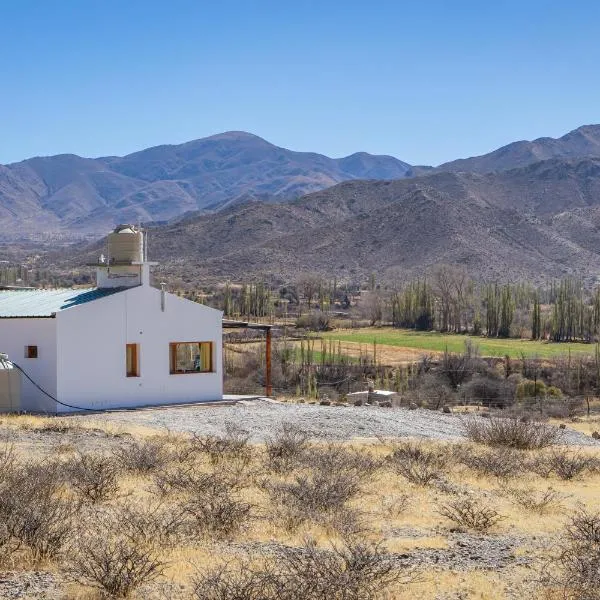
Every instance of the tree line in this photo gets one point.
(446, 300)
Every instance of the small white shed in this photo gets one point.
(122, 344)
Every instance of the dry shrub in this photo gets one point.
(210, 502)
(94, 477)
(538, 501)
(568, 465)
(337, 458)
(153, 523)
(215, 507)
(319, 496)
(470, 513)
(32, 511)
(540, 464)
(503, 463)
(8, 460)
(395, 505)
(172, 481)
(355, 571)
(232, 445)
(286, 447)
(564, 463)
(55, 425)
(576, 568)
(143, 457)
(243, 581)
(332, 476)
(111, 557)
(512, 433)
(417, 463)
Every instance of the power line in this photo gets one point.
(41, 389)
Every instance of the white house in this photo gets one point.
(121, 344)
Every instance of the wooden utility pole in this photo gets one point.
(268, 385)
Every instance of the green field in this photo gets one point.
(438, 342)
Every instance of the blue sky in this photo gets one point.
(424, 81)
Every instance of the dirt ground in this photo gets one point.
(452, 562)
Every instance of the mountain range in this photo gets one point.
(536, 222)
(530, 209)
(69, 193)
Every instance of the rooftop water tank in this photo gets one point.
(10, 386)
(126, 245)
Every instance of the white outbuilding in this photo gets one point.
(122, 344)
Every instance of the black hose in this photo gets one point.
(46, 393)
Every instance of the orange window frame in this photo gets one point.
(173, 358)
(132, 360)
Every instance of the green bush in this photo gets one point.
(531, 389)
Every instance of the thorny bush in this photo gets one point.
(511, 433)
(418, 463)
(575, 570)
(32, 511)
(153, 523)
(318, 496)
(231, 446)
(568, 465)
(502, 463)
(334, 458)
(113, 558)
(354, 571)
(286, 447)
(143, 456)
(536, 501)
(471, 513)
(215, 507)
(95, 478)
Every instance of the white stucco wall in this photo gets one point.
(15, 334)
(91, 340)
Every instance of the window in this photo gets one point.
(31, 351)
(132, 360)
(191, 357)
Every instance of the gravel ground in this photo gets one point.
(29, 585)
(262, 417)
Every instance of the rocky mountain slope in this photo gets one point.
(581, 142)
(540, 221)
(71, 193)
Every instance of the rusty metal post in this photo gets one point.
(268, 386)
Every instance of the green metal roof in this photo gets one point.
(44, 303)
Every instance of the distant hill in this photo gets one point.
(235, 206)
(158, 184)
(541, 221)
(581, 142)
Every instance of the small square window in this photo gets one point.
(31, 351)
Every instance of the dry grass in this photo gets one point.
(355, 484)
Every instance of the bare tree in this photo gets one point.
(452, 286)
(309, 284)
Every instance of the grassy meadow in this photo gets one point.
(430, 341)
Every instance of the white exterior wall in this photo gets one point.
(91, 341)
(17, 333)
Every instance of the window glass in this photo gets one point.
(191, 357)
(31, 351)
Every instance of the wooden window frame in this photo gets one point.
(31, 352)
(136, 360)
(173, 359)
